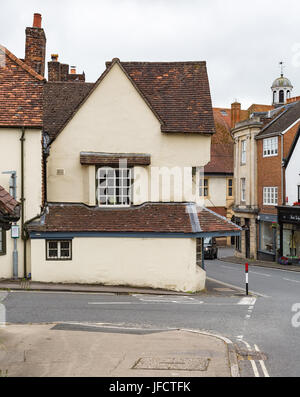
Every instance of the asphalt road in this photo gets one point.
(263, 323)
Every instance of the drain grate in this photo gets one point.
(244, 354)
(171, 363)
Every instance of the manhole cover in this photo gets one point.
(171, 363)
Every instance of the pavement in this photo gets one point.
(211, 287)
(65, 349)
(227, 255)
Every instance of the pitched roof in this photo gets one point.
(292, 148)
(178, 92)
(146, 218)
(21, 91)
(290, 114)
(221, 145)
(7, 203)
(60, 100)
(221, 159)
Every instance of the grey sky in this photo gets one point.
(242, 41)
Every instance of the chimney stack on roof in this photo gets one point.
(35, 47)
(235, 113)
(60, 71)
(37, 21)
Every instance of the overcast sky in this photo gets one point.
(242, 41)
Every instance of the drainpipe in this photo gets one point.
(22, 139)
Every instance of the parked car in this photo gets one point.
(210, 248)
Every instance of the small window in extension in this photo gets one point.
(203, 188)
(59, 249)
(230, 187)
(2, 241)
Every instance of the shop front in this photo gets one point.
(289, 222)
(269, 237)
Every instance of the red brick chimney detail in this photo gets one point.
(235, 113)
(35, 47)
(37, 21)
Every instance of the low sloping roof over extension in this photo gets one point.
(21, 91)
(178, 218)
(221, 159)
(7, 203)
(289, 115)
(60, 101)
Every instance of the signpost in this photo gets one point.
(246, 273)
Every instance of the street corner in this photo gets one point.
(55, 350)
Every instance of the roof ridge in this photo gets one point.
(22, 64)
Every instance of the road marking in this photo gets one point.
(253, 364)
(262, 364)
(261, 274)
(231, 268)
(293, 281)
(247, 301)
(236, 287)
(145, 303)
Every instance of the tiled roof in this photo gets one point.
(221, 160)
(7, 203)
(221, 145)
(287, 117)
(178, 92)
(21, 90)
(149, 217)
(60, 101)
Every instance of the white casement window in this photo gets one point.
(114, 186)
(58, 250)
(243, 151)
(270, 195)
(203, 188)
(270, 147)
(243, 189)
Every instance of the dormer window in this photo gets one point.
(114, 186)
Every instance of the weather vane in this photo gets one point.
(281, 67)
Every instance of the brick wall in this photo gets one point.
(269, 169)
(35, 49)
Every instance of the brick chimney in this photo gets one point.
(35, 47)
(235, 113)
(57, 71)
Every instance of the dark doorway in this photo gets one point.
(247, 237)
(281, 96)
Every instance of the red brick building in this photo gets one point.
(273, 146)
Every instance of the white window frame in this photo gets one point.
(59, 257)
(116, 196)
(203, 187)
(270, 195)
(270, 147)
(243, 151)
(243, 190)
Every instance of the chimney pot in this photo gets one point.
(73, 69)
(37, 20)
(54, 57)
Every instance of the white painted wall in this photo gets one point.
(168, 263)
(292, 176)
(10, 160)
(217, 191)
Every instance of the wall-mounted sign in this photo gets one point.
(15, 231)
